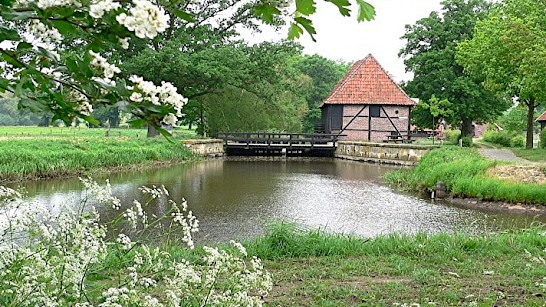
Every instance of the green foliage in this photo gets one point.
(508, 50)
(430, 55)
(504, 138)
(535, 154)
(466, 141)
(543, 139)
(515, 119)
(11, 115)
(324, 74)
(463, 170)
(453, 136)
(517, 141)
(427, 113)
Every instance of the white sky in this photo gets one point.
(344, 38)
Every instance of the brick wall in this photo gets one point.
(380, 126)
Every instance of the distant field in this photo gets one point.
(38, 152)
(9, 131)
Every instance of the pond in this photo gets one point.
(236, 198)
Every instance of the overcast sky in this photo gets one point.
(344, 38)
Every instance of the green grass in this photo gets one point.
(72, 151)
(32, 131)
(463, 170)
(314, 268)
(536, 154)
(319, 269)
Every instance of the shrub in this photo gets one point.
(543, 138)
(502, 138)
(452, 136)
(518, 141)
(467, 141)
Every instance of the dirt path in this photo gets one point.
(502, 155)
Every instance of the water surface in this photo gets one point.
(236, 199)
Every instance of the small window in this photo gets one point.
(375, 111)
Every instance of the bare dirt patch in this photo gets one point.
(519, 173)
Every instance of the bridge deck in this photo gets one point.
(290, 144)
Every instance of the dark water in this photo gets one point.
(237, 199)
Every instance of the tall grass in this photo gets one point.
(52, 157)
(285, 240)
(463, 170)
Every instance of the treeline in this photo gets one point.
(472, 60)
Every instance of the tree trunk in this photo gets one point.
(152, 132)
(530, 123)
(466, 128)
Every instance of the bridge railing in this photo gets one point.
(277, 138)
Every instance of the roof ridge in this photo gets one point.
(354, 72)
(367, 82)
(390, 78)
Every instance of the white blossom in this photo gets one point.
(145, 19)
(99, 7)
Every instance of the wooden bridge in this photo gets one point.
(279, 144)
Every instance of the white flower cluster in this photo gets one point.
(165, 94)
(45, 4)
(98, 8)
(45, 259)
(145, 19)
(101, 64)
(102, 194)
(39, 35)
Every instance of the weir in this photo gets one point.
(279, 144)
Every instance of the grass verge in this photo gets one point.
(463, 170)
(46, 157)
(314, 268)
(319, 269)
(536, 154)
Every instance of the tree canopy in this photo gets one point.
(430, 55)
(508, 50)
(56, 55)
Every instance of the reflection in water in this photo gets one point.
(236, 199)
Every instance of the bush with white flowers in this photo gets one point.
(71, 258)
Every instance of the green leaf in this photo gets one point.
(307, 24)
(24, 46)
(137, 122)
(7, 34)
(64, 27)
(266, 12)
(14, 16)
(306, 7)
(47, 53)
(12, 61)
(91, 120)
(366, 11)
(183, 15)
(295, 31)
(343, 6)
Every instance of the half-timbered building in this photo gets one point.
(367, 105)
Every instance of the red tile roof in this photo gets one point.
(368, 83)
(542, 118)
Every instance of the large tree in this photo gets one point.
(324, 74)
(509, 50)
(36, 35)
(430, 55)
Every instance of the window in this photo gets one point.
(375, 111)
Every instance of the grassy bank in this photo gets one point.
(463, 170)
(319, 269)
(314, 268)
(72, 152)
(536, 154)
